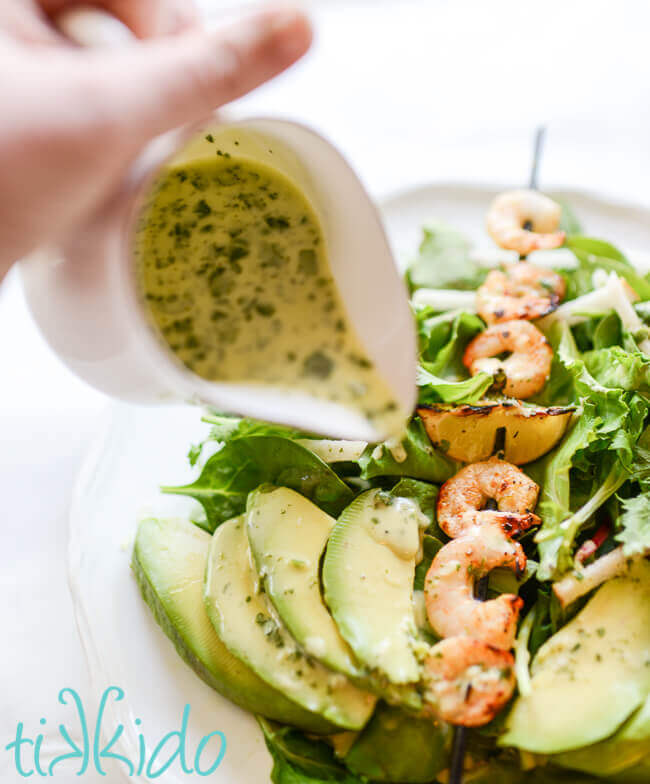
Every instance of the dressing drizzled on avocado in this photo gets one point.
(232, 266)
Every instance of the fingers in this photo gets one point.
(163, 84)
(75, 119)
(146, 18)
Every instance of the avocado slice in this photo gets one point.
(169, 561)
(247, 624)
(397, 746)
(592, 675)
(625, 749)
(368, 581)
(639, 774)
(287, 534)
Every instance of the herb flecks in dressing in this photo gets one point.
(233, 268)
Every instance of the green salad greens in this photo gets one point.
(312, 612)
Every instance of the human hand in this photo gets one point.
(73, 120)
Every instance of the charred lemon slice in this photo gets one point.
(518, 433)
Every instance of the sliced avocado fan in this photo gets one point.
(169, 562)
(288, 534)
(247, 624)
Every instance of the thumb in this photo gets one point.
(158, 85)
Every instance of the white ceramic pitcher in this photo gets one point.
(83, 293)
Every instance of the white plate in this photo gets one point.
(144, 447)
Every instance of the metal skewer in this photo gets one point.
(538, 147)
(459, 745)
(540, 137)
(458, 748)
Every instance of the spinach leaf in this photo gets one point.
(578, 281)
(594, 254)
(225, 427)
(506, 581)
(414, 457)
(430, 547)
(439, 390)
(598, 248)
(497, 771)
(444, 261)
(424, 493)
(543, 626)
(607, 332)
(301, 760)
(599, 332)
(246, 462)
(398, 746)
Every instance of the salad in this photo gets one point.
(489, 571)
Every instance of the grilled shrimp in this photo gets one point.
(529, 362)
(520, 291)
(467, 681)
(462, 498)
(525, 220)
(449, 589)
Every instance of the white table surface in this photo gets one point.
(412, 91)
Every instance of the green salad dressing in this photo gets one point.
(233, 269)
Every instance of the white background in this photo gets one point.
(411, 91)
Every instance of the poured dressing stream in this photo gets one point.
(232, 267)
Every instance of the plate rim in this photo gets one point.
(594, 195)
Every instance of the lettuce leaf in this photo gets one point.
(598, 453)
(443, 339)
(616, 368)
(619, 407)
(442, 377)
(556, 538)
(444, 261)
(635, 525)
